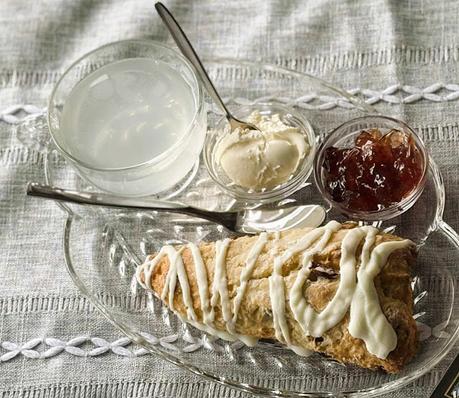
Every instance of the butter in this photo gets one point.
(262, 159)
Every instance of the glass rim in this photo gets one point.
(198, 96)
(394, 209)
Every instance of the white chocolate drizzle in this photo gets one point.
(367, 321)
(356, 291)
(276, 280)
(313, 323)
(176, 268)
(247, 271)
(220, 284)
(202, 281)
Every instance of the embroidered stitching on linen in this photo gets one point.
(394, 94)
(84, 346)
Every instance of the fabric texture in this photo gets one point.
(380, 48)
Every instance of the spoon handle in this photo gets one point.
(188, 51)
(98, 199)
(227, 219)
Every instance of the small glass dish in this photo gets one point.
(343, 137)
(151, 176)
(288, 116)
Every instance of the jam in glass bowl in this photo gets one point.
(371, 168)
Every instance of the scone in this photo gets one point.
(340, 289)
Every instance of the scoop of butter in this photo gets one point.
(262, 159)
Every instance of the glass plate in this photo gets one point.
(102, 248)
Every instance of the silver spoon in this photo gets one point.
(188, 51)
(243, 221)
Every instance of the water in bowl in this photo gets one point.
(126, 113)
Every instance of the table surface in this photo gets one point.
(53, 342)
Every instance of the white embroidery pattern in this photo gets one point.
(16, 113)
(394, 94)
(84, 346)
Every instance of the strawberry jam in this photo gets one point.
(378, 171)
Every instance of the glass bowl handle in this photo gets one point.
(33, 132)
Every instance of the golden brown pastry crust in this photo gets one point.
(255, 314)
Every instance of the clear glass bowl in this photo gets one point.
(344, 137)
(102, 248)
(154, 175)
(288, 116)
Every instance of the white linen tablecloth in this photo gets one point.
(53, 342)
